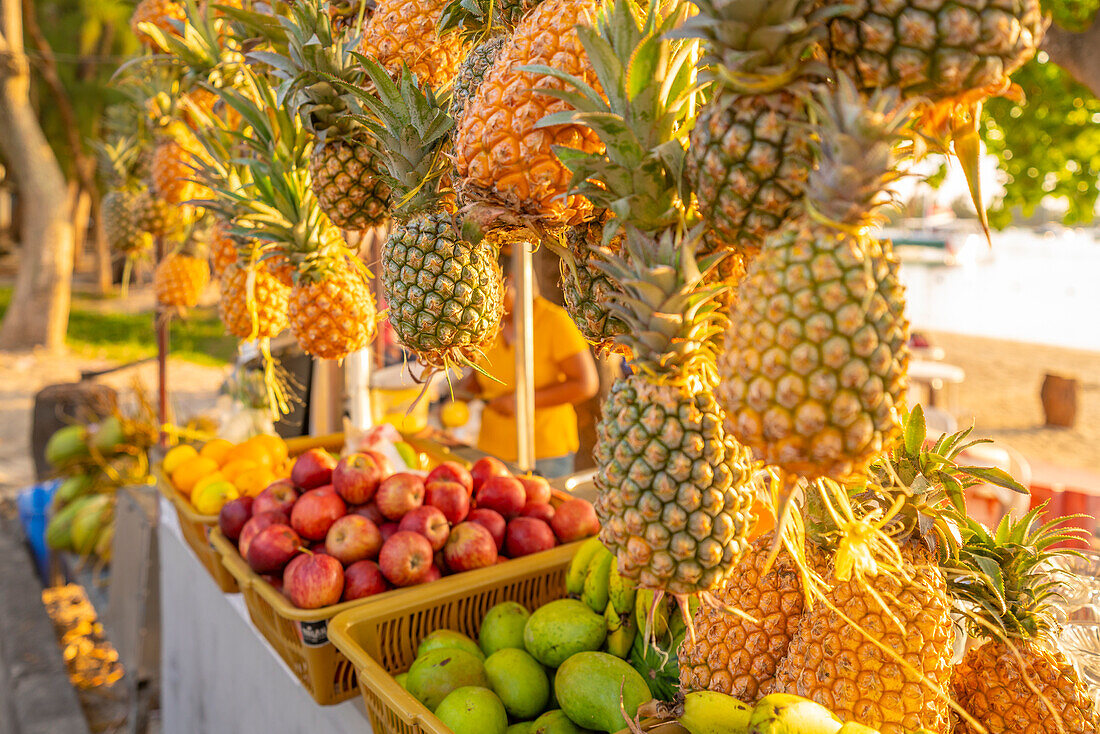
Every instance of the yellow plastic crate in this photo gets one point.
(381, 639)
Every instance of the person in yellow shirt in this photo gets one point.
(565, 375)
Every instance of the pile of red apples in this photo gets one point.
(342, 530)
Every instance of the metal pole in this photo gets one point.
(523, 320)
(161, 316)
(357, 369)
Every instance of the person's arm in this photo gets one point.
(581, 383)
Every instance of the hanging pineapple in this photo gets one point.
(405, 33)
(586, 289)
(445, 295)
(815, 372)
(180, 278)
(167, 15)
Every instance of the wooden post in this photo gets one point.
(523, 320)
(1059, 396)
(160, 315)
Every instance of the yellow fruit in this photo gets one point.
(253, 303)
(162, 14)
(217, 476)
(402, 32)
(233, 468)
(177, 455)
(188, 474)
(180, 279)
(216, 449)
(332, 313)
(274, 445)
(454, 413)
(210, 499)
(253, 481)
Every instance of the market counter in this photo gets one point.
(218, 675)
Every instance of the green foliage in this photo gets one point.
(1074, 15)
(1049, 146)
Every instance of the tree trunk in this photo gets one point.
(104, 274)
(78, 205)
(39, 311)
(1077, 52)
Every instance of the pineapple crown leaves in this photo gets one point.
(201, 44)
(477, 20)
(1005, 578)
(651, 91)
(410, 126)
(759, 46)
(673, 321)
(860, 143)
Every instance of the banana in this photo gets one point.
(596, 581)
(854, 727)
(104, 541)
(784, 713)
(621, 593)
(621, 630)
(574, 577)
(710, 712)
(643, 603)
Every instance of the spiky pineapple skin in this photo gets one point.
(170, 172)
(675, 491)
(471, 73)
(935, 49)
(269, 302)
(404, 32)
(223, 249)
(500, 157)
(815, 370)
(122, 222)
(832, 662)
(332, 314)
(749, 158)
(736, 656)
(990, 686)
(587, 290)
(346, 177)
(445, 295)
(180, 279)
(158, 217)
(160, 13)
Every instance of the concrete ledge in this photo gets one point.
(35, 694)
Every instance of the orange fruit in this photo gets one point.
(177, 456)
(216, 449)
(236, 467)
(274, 445)
(253, 481)
(188, 474)
(249, 451)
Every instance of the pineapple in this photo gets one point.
(471, 73)
(815, 369)
(587, 289)
(223, 248)
(254, 304)
(331, 311)
(173, 167)
(347, 178)
(501, 158)
(122, 222)
(163, 14)
(179, 280)
(936, 50)
(157, 217)
(750, 153)
(1018, 682)
(348, 16)
(403, 33)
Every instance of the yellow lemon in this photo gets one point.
(210, 499)
(216, 449)
(235, 468)
(176, 456)
(274, 445)
(253, 481)
(216, 476)
(188, 474)
(454, 413)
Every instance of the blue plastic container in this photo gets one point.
(33, 504)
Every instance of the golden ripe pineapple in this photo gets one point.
(223, 248)
(254, 303)
(403, 32)
(501, 158)
(173, 167)
(161, 13)
(179, 280)
(814, 375)
(587, 289)
(331, 310)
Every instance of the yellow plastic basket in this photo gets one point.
(195, 527)
(380, 639)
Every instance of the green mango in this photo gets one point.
(59, 531)
(438, 672)
(557, 630)
(109, 435)
(520, 681)
(89, 521)
(473, 710)
(72, 488)
(594, 688)
(449, 639)
(555, 721)
(502, 627)
(66, 445)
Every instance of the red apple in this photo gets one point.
(503, 494)
(451, 497)
(356, 477)
(233, 516)
(353, 538)
(527, 535)
(255, 524)
(387, 529)
(399, 494)
(315, 512)
(537, 488)
(272, 548)
(429, 522)
(363, 579)
(485, 467)
(406, 558)
(451, 471)
(279, 496)
(491, 521)
(434, 574)
(318, 546)
(542, 510)
(313, 580)
(470, 546)
(575, 519)
(369, 511)
(275, 579)
(312, 469)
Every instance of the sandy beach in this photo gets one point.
(1001, 396)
